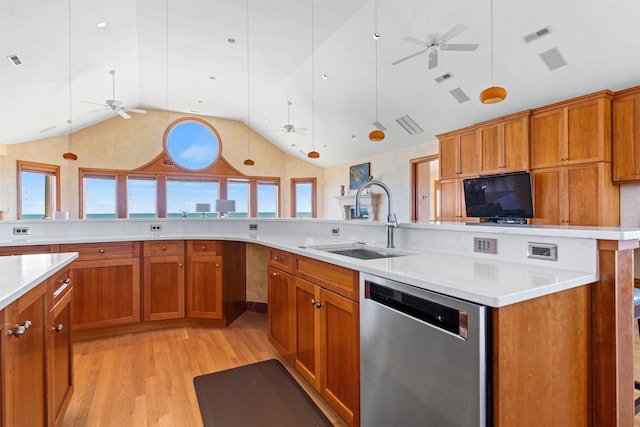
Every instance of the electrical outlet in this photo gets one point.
(547, 251)
(335, 231)
(486, 246)
(155, 228)
(253, 227)
(20, 231)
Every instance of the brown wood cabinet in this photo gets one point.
(29, 249)
(452, 206)
(163, 280)
(581, 194)
(626, 135)
(106, 280)
(23, 360)
(504, 144)
(573, 131)
(204, 280)
(459, 153)
(59, 347)
(280, 308)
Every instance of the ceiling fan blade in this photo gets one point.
(464, 46)
(408, 57)
(101, 109)
(95, 103)
(433, 58)
(135, 110)
(453, 32)
(414, 40)
(122, 114)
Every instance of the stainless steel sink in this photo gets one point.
(358, 250)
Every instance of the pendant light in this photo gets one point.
(69, 155)
(248, 161)
(313, 154)
(493, 94)
(377, 134)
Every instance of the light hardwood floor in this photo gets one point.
(146, 379)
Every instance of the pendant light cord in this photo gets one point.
(491, 42)
(376, 38)
(70, 76)
(313, 88)
(248, 122)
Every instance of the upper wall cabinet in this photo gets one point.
(458, 153)
(504, 144)
(571, 132)
(626, 135)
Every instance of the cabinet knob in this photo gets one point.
(19, 330)
(180, 265)
(164, 248)
(276, 274)
(58, 328)
(318, 304)
(101, 251)
(204, 248)
(217, 265)
(637, 173)
(276, 258)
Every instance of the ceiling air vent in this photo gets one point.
(445, 76)
(537, 34)
(47, 129)
(553, 59)
(459, 95)
(409, 125)
(15, 60)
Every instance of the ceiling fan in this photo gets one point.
(289, 128)
(434, 42)
(116, 105)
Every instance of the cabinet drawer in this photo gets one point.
(95, 251)
(163, 248)
(202, 247)
(58, 287)
(281, 260)
(341, 280)
(30, 249)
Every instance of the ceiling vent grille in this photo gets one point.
(47, 129)
(537, 34)
(409, 125)
(459, 95)
(553, 59)
(15, 60)
(445, 76)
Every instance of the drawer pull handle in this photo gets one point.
(217, 265)
(204, 248)
(164, 248)
(101, 251)
(180, 265)
(19, 330)
(276, 258)
(58, 328)
(65, 283)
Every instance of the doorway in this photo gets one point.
(424, 172)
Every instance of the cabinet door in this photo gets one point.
(340, 354)
(626, 137)
(23, 361)
(106, 293)
(449, 157)
(450, 200)
(204, 286)
(588, 131)
(548, 202)
(307, 339)
(583, 195)
(468, 149)
(547, 138)
(163, 287)
(281, 312)
(491, 158)
(59, 358)
(515, 144)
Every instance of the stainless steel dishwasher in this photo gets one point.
(423, 357)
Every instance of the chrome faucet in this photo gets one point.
(392, 221)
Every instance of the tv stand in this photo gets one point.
(518, 221)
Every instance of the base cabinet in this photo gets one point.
(280, 325)
(163, 280)
(204, 280)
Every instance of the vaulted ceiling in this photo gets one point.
(246, 60)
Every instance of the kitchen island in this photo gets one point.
(537, 304)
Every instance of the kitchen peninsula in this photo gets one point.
(584, 355)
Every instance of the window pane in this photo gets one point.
(141, 195)
(267, 199)
(33, 195)
(239, 191)
(99, 197)
(303, 199)
(182, 197)
(192, 145)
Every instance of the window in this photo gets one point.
(192, 144)
(303, 198)
(267, 199)
(141, 197)
(38, 190)
(182, 196)
(238, 190)
(99, 196)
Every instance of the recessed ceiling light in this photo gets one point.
(212, 77)
(199, 101)
(231, 41)
(325, 77)
(101, 24)
(376, 36)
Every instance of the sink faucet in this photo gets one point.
(391, 222)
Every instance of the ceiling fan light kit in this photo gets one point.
(493, 94)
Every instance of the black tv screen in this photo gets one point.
(499, 196)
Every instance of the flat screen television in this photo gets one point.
(501, 198)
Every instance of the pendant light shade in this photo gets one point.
(249, 162)
(70, 156)
(376, 135)
(493, 95)
(313, 155)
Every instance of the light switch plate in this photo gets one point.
(485, 245)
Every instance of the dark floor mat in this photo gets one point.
(262, 394)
